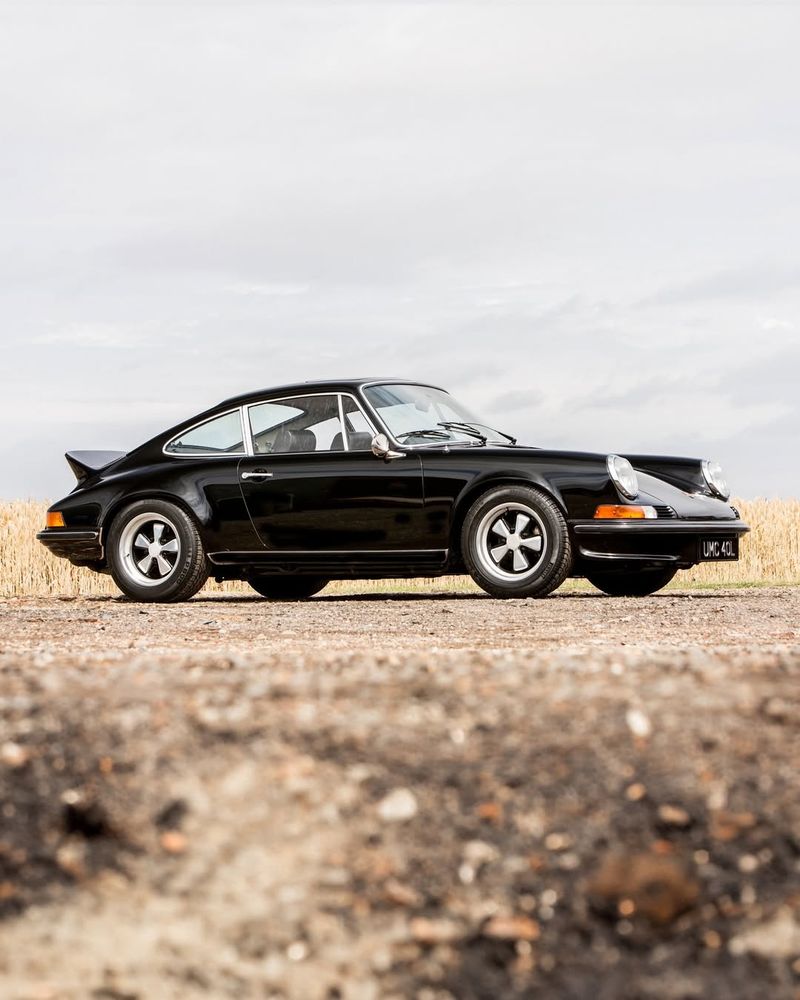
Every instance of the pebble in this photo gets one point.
(674, 815)
(173, 842)
(639, 723)
(13, 755)
(434, 931)
(775, 938)
(511, 928)
(398, 806)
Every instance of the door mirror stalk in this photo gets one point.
(382, 449)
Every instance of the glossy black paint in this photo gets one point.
(352, 514)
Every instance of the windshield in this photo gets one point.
(420, 414)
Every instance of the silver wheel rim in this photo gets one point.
(510, 542)
(149, 549)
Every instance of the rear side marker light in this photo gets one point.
(55, 519)
(619, 511)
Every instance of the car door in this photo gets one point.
(312, 484)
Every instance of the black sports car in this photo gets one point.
(291, 487)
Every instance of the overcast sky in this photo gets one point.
(584, 220)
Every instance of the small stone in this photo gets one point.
(511, 928)
(492, 812)
(398, 806)
(432, 932)
(557, 841)
(401, 894)
(7, 891)
(297, 951)
(748, 863)
(639, 723)
(478, 852)
(13, 755)
(727, 826)
(674, 815)
(71, 858)
(635, 792)
(660, 887)
(775, 938)
(173, 842)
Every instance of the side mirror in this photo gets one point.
(382, 449)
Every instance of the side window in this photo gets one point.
(300, 424)
(359, 433)
(218, 436)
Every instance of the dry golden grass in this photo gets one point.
(770, 555)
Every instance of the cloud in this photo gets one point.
(748, 283)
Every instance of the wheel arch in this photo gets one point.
(120, 503)
(482, 484)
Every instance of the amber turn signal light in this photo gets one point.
(616, 511)
(55, 519)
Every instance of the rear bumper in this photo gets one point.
(81, 546)
(659, 542)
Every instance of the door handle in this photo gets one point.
(257, 474)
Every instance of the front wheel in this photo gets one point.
(155, 553)
(286, 588)
(630, 582)
(515, 543)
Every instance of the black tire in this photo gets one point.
(287, 588)
(548, 561)
(630, 582)
(143, 572)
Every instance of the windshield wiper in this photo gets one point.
(428, 432)
(461, 425)
(457, 425)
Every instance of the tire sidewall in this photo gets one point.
(190, 552)
(550, 570)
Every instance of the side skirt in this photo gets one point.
(334, 564)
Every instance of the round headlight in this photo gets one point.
(624, 476)
(715, 479)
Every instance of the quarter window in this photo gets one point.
(359, 433)
(218, 436)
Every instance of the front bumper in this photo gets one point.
(657, 542)
(82, 546)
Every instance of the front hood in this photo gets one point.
(653, 491)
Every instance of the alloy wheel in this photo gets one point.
(511, 541)
(149, 549)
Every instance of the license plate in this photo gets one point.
(719, 549)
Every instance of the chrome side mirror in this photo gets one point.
(382, 449)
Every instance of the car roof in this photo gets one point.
(324, 385)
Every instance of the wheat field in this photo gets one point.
(770, 555)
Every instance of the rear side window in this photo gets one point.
(218, 436)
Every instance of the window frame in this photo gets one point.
(400, 445)
(306, 395)
(246, 440)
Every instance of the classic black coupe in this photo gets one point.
(291, 487)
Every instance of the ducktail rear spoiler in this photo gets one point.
(85, 463)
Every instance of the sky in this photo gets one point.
(582, 219)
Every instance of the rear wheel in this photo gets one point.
(630, 582)
(155, 553)
(515, 543)
(287, 588)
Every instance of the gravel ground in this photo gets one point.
(425, 797)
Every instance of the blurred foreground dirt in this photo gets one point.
(428, 797)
